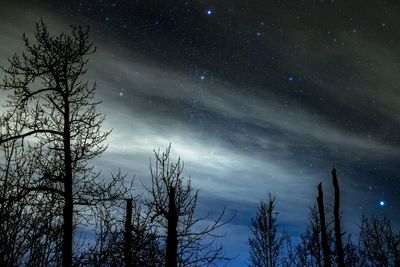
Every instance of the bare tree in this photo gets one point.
(324, 232)
(266, 243)
(60, 120)
(172, 206)
(146, 250)
(336, 217)
(318, 246)
(379, 243)
(109, 247)
(351, 253)
(29, 230)
(13, 215)
(308, 251)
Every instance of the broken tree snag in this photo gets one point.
(336, 214)
(324, 236)
(128, 234)
(172, 238)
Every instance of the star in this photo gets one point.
(382, 203)
(290, 78)
(202, 77)
(209, 12)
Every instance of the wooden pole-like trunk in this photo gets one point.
(68, 193)
(68, 226)
(336, 214)
(270, 236)
(324, 235)
(172, 234)
(128, 234)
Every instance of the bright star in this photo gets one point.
(209, 12)
(382, 203)
(202, 77)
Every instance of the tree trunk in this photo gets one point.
(68, 226)
(172, 237)
(128, 234)
(324, 236)
(68, 194)
(336, 214)
(271, 237)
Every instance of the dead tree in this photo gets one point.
(337, 227)
(379, 242)
(171, 255)
(46, 86)
(324, 234)
(128, 234)
(308, 251)
(123, 239)
(171, 206)
(266, 243)
(29, 230)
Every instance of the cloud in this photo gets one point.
(145, 81)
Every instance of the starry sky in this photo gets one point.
(255, 96)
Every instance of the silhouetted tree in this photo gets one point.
(379, 243)
(109, 247)
(172, 206)
(13, 215)
(266, 244)
(318, 246)
(324, 233)
(58, 114)
(337, 227)
(351, 253)
(308, 252)
(146, 249)
(29, 231)
(128, 234)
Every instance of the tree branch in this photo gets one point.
(28, 134)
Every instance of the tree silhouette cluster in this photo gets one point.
(50, 192)
(322, 244)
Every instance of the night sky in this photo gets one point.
(255, 97)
